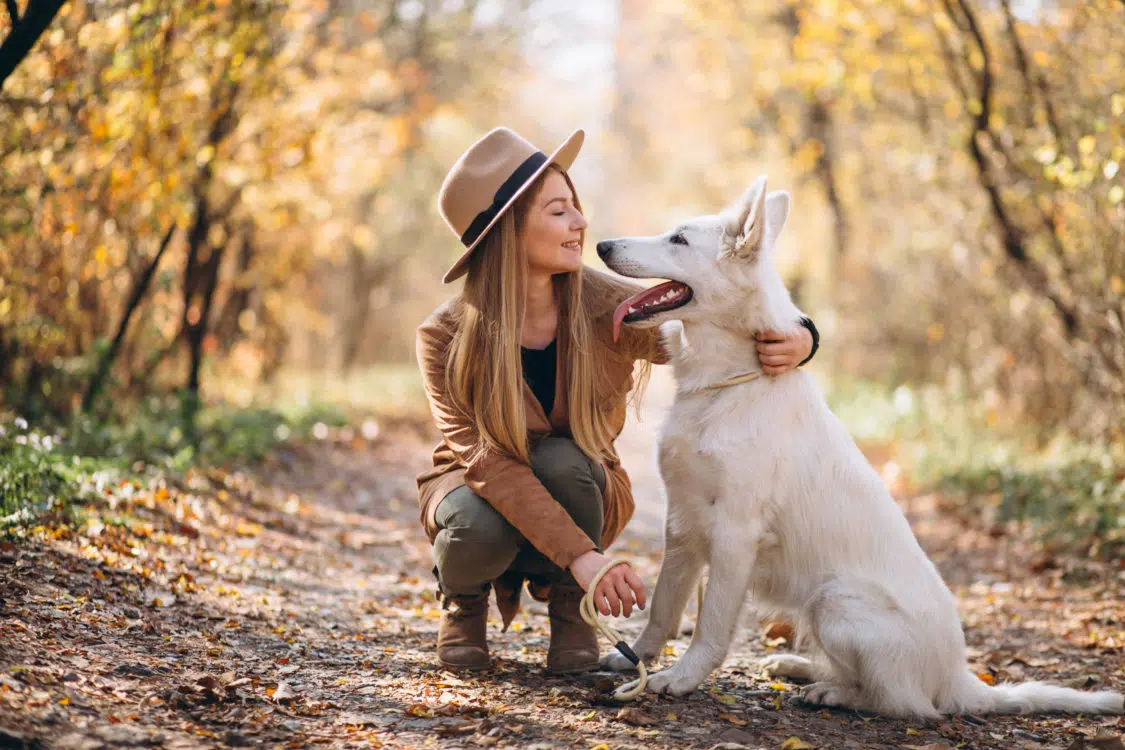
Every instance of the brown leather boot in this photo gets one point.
(574, 644)
(462, 640)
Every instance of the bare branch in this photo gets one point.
(23, 36)
(1031, 82)
(1012, 236)
(13, 11)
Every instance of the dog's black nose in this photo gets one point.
(604, 247)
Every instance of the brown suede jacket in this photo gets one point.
(508, 484)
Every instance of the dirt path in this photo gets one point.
(292, 605)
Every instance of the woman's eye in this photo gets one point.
(560, 213)
(678, 239)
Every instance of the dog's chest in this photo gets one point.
(697, 450)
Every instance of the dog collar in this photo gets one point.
(745, 377)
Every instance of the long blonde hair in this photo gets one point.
(484, 371)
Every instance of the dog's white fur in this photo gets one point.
(767, 488)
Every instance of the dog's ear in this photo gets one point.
(777, 211)
(746, 221)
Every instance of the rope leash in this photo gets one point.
(589, 613)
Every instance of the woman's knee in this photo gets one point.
(558, 461)
(474, 543)
(576, 482)
(468, 517)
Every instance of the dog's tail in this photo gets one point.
(971, 695)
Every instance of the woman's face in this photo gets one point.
(552, 231)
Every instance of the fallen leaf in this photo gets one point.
(636, 717)
(1105, 740)
(587, 717)
(734, 720)
(986, 677)
(795, 743)
(780, 629)
(283, 692)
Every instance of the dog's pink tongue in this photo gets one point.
(635, 301)
(619, 315)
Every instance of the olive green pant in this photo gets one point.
(475, 544)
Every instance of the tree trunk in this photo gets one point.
(140, 286)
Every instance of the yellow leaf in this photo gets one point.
(671, 716)
(986, 677)
(795, 743)
(1087, 143)
(602, 746)
(913, 732)
(587, 717)
(778, 686)
(1117, 285)
(64, 701)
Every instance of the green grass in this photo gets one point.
(1068, 492)
(48, 470)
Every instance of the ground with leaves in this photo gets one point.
(291, 604)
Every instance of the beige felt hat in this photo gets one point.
(487, 179)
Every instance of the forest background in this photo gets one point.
(218, 228)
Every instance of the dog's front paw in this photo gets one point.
(616, 662)
(672, 682)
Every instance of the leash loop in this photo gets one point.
(589, 614)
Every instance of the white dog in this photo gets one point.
(766, 487)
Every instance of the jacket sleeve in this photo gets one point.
(505, 483)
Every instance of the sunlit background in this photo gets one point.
(235, 200)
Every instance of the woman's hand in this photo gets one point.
(779, 353)
(619, 589)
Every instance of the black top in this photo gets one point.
(539, 372)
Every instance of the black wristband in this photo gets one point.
(807, 323)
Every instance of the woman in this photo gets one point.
(529, 392)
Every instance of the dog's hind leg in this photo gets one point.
(876, 663)
(733, 554)
(680, 569)
(791, 666)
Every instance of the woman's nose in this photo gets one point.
(580, 223)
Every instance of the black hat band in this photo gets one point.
(504, 194)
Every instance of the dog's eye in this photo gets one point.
(678, 239)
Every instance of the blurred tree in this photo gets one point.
(289, 144)
(968, 160)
